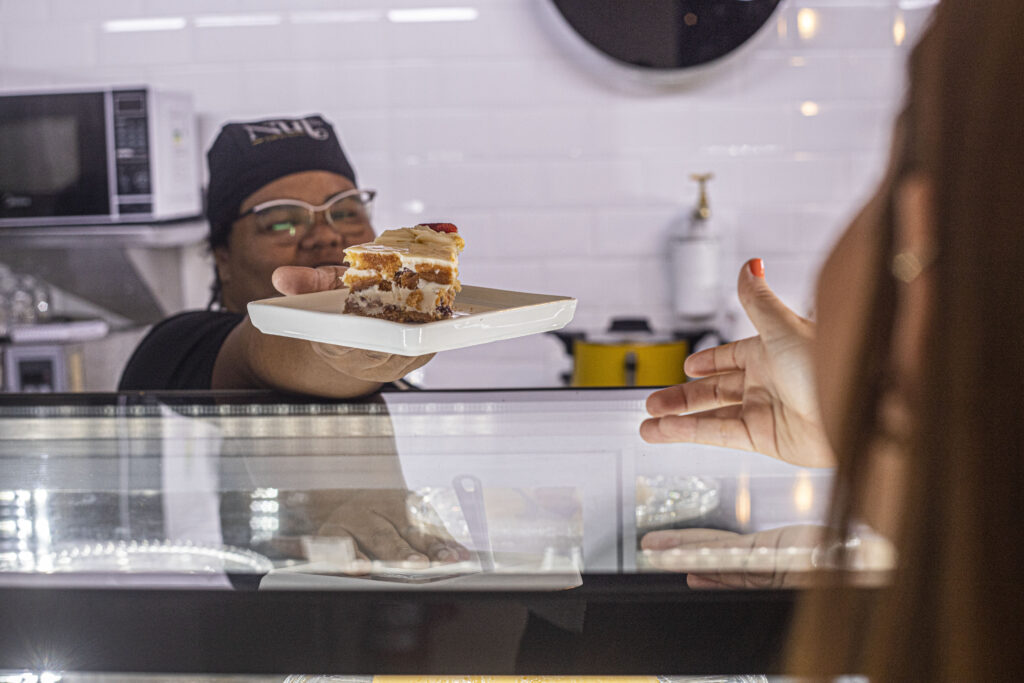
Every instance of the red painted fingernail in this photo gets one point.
(757, 268)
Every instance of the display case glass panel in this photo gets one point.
(522, 510)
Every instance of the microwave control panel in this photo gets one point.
(131, 142)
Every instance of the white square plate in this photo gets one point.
(481, 315)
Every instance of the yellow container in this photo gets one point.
(628, 364)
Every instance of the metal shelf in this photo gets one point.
(131, 270)
(173, 234)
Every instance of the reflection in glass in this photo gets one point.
(299, 494)
(667, 500)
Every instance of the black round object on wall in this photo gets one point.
(666, 34)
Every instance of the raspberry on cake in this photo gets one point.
(408, 275)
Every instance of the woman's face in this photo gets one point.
(245, 265)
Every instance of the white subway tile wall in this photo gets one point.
(564, 178)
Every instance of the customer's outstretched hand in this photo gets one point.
(756, 394)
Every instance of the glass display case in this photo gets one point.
(428, 533)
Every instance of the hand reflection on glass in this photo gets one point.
(787, 557)
(777, 558)
(376, 524)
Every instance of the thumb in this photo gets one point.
(299, 280)
(771, 317)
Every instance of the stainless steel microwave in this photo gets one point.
(108, 155)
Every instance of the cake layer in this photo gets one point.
(361, 278)
(430, 302)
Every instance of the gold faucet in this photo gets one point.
(703, 211)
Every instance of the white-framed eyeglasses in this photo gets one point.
(348, 213)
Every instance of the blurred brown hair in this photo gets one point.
(953, 608)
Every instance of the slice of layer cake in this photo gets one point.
(408, 275)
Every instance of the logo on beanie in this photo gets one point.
(267, 131)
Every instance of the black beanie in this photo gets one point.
(248, 155)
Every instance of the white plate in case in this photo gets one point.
(481, 315)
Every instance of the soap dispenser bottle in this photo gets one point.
(694, 254)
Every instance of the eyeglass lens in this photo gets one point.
(349, 216)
